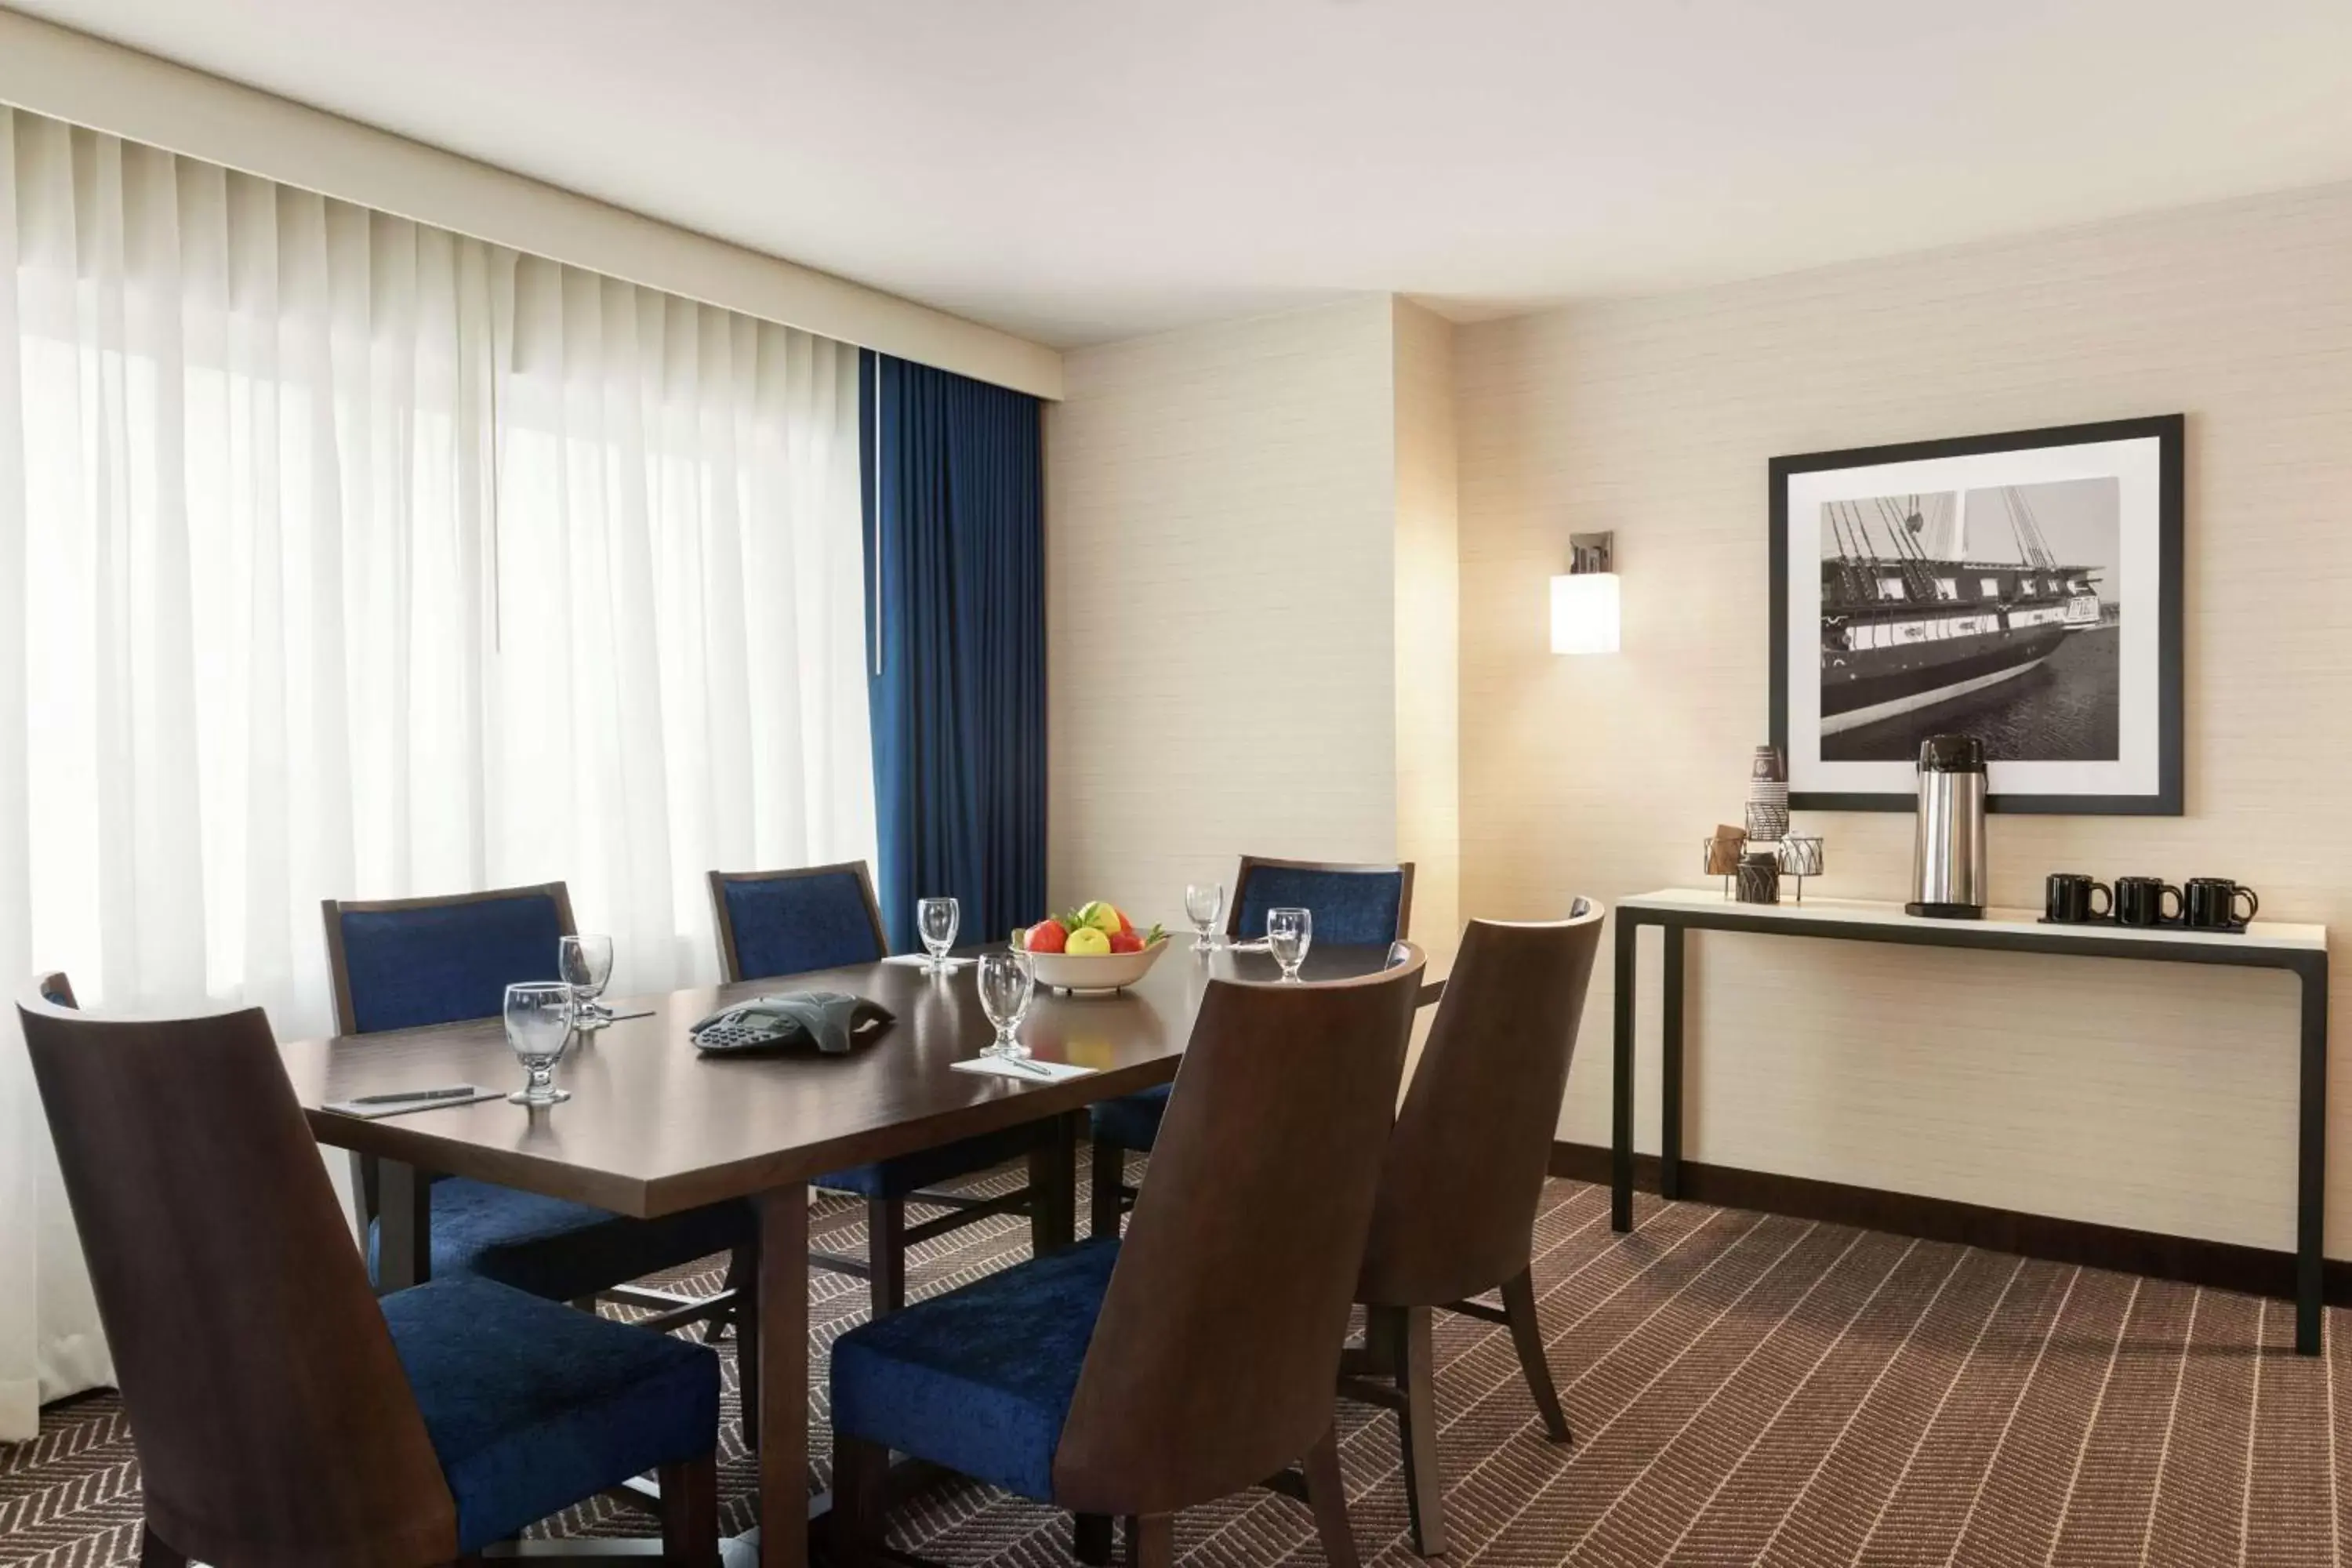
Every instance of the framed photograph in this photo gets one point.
(2024, 588)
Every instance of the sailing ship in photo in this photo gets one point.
(1980, 610)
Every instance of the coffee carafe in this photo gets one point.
(1947, 860)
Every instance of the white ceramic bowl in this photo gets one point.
(1095, 971)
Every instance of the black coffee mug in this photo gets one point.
(2139, 902)
(2067, 898)
(2211, 903)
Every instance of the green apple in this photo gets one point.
(1087, 942)
(1100, 916)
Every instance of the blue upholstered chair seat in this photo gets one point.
(533, 1408)
(980, 1379)
(564, 1250)
(1130, 1121)
(910, 1174)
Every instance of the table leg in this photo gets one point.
(404, 1248)
(1054, 1187)
(1621, 1087)
(783, 1391)
(1670, 1066)
(2311, 1161)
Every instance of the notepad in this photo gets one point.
(377, 1110)
(1043, 1072)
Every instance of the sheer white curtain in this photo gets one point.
(342, 556)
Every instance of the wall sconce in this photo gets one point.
(1584, 601)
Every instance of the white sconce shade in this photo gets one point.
(1584, 613)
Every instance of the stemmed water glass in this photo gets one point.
(1007, 982)
(936, 920)
(1288, 934)
(1204, 905)
(539, 1018)
(586, 964)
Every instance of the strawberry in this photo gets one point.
(1126, 928)
(1048, 936)
(1125, 941)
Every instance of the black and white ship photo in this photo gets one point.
(2022, 588)
(1977, 610)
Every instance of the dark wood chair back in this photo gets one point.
(273, 1423)
(788, 922)
(1214, 1361)
(450, 956)
(1465, 1167)
(1357, 898)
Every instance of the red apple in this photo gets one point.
(1126, 928)
(1047, 936)
(1125, 941)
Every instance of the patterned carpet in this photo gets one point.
(1745, 1389)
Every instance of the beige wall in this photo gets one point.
(1428, 629)
(1221, 558)
(1251, 606)
(2134, 1095)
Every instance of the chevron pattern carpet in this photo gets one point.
(1745, 1390)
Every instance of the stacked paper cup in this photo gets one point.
(1767, 797)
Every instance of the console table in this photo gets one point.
(2300, 949)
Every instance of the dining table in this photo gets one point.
(654, 1127)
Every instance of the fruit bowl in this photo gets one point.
(1092, 948)
(1095, 971)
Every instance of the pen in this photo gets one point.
(460, 1090)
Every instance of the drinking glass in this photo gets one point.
(586, 964)
(1204, 905)
(1289, 933)
(539, 1026)
(935, 921)
(1007, 981)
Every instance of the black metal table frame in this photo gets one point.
(2308, 965)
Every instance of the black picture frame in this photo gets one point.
(2169, 431)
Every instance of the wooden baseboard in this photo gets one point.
(2221, 1265)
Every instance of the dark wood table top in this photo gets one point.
(652, 1127)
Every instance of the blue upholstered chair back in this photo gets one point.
(404, 966)
(1353, 906)
(790, 924)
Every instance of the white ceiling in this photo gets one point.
(1082, 169)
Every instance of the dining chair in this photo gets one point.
(1463, 1176)
(774, 923)
(283, 1415)
(1133, 1378)
(406, 963)
(1353, 906)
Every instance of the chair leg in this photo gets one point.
(1425, 1485)
(746, 1270)
(861, 1476)
(1151, 1541)
(1109, 1177)
(886, 1255)
(1527, 1335)
(1327, 1492)
(1090, 1539)
(715, 1329)
(153, 1553)
(689, 1513)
